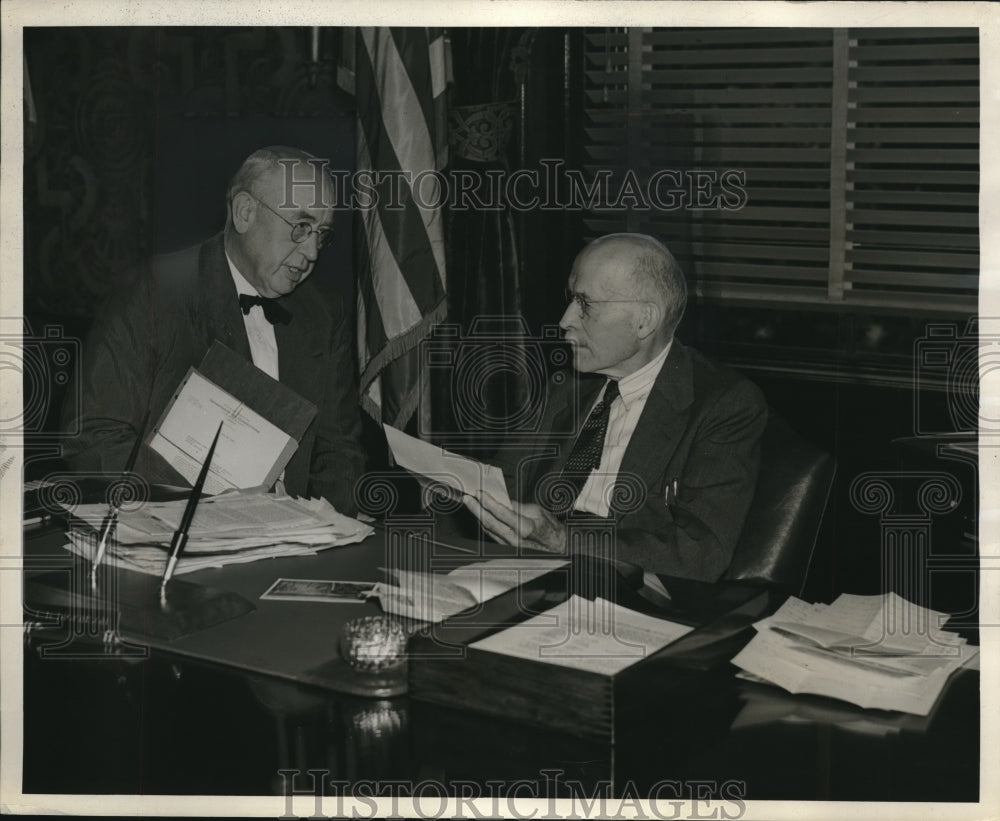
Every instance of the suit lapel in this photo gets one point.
(299, 349)
(221, 317)
(662, 422)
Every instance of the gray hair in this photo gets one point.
(655, 274)
(259, 164)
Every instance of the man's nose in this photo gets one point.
(310, 247)
(569, 317)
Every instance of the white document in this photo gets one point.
(433, 597)
(460, 473)
(598, 636)
(878, 652)
(251, 451)
(883, 631)
(799, 669)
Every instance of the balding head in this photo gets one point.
(284, 161)
(650, 270)
(628, 298)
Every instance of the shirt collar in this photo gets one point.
(637, 384)
(243, 285)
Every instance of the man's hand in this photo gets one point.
(527, 525)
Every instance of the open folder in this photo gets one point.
(263, 422)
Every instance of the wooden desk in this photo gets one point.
(181, 722)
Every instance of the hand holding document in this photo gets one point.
(464, 475)
(879, 652)
(239, 526)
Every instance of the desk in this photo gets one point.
(178, 723)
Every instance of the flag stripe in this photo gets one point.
(404, 124)
(415, 55)
(402, 127)
(404, 228)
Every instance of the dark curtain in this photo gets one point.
(488, 390)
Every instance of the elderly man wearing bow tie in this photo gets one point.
(246, 288)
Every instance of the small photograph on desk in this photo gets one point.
(318, 590)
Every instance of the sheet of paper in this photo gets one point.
(874, 626)
(237, 511)
(433, 597)
(598, 636)
(460, 473)
(484, 580)
(250, 451)
(784, 661)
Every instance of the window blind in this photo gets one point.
(810, 165)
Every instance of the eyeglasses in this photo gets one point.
(583, 303)
(301, 231)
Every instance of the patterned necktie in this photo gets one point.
(586, 453)
(273, 312)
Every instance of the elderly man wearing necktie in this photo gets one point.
(669, 444)
(246, 288)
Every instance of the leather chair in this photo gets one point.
(779, 535)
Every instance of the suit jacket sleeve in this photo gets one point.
(104, 407)
(695, 533)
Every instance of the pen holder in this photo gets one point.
(373, 644)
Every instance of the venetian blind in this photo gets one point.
(807, 165)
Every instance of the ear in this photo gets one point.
(244, 211)
(650, 317)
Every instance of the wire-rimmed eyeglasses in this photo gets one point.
(301, 231)
(584, 303)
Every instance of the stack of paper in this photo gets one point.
(240, 526)
(874, 651)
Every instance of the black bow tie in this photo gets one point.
(273, 312)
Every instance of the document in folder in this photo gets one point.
(263, 421)
(467, 476)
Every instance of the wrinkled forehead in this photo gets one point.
(300, 188)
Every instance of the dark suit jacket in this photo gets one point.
(702, 425)
(142, 345)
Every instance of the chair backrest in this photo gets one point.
(780, 531)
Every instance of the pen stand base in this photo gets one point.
(131, 603)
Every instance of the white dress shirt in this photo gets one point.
(624, 416)
(260, 332)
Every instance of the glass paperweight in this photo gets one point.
(373, 644)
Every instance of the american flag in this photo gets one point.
(402, 138)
